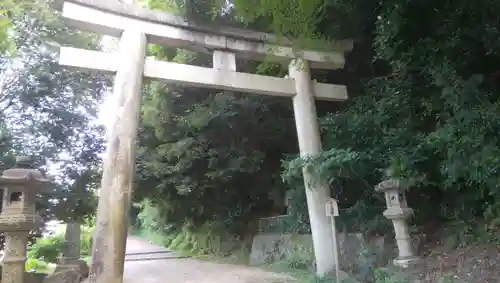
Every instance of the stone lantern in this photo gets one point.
(398, 211)
(18, 217)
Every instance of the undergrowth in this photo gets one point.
(210, 241)
(48, 249)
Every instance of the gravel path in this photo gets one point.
(148, 263)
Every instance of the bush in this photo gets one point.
(48, 248)
(36, 264)
(86, 240)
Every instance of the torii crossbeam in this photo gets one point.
(137, 27)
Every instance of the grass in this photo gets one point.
(40, 267)
(302, 275)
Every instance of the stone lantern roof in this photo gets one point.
(23, 174)
(388, 185)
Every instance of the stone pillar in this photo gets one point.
(70, 265)
(15, 257)
(403, 238)
(108, 251)
(72, 243)
(399, 212)
(317, 193)
(224, 60)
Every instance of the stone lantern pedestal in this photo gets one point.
(70, 261)
(398, 212)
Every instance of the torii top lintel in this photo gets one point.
(112, 17)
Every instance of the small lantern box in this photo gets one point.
(394, 198)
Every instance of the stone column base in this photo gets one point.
(79, 266)
(405, 262)
(64, 276)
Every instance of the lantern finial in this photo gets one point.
(24, 162)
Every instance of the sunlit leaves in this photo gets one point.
(10, 9)
(6, 44)
(49, 111)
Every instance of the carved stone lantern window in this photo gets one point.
(393, 196)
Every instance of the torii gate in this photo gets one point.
(136, 27)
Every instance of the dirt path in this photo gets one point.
(147, 263)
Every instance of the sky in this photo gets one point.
(106, 109)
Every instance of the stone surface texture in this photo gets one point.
(64, 276)
(268, 248)
(112, 18)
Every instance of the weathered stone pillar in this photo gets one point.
(317, 193)
(398, 211)
(72, 243)
(70, 265)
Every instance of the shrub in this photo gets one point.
(48, 248)
(36, 264)
(86, 240)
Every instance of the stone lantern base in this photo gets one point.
(79, 266)
(406, 262)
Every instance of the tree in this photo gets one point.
(200, 147)
(10, 9)
(50, 111)
(422, 76)
(423, 82)
(213, 156)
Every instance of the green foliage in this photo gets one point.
(424, 104)
(303, 274)
(11, 9)
(49, 111)
(206, 241)
(424, 107)
(47, 249)
(300, 257)
(150, 218)
(295, 19)
(209, 239)
(5, 42)
(86, 240)
(200, 147)
(35, 264)
(384, 275)
(50, 248)
(210, 156)
(460, 234)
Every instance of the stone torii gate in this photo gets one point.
(136, 27)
